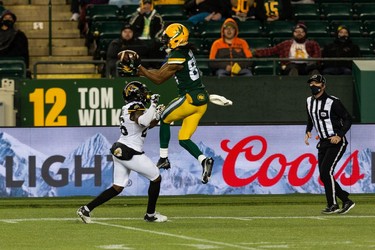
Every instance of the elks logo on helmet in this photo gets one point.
(175, 35)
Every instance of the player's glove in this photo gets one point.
(155, 99)
(159, 110)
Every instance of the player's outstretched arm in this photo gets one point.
(159, 76)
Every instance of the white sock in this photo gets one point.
(163, 152)
(201, 158)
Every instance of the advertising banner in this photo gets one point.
(93, 102)
(75, 161)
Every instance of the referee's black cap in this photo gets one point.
(317, 78)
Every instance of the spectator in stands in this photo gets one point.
(342, 46)
(127, 40)
(13, 42)
(299, 47)
(243, 10)
(206, 10)
(83, 25)
(230, 46)
(273, 10)
(147, 22)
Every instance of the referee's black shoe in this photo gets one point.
(346, 207)
(331, 210)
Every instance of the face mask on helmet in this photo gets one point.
(136, 92)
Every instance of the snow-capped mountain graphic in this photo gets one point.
(19, 152)
(88, 170)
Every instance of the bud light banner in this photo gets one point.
(75, 161)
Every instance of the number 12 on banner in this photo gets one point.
(53, 96)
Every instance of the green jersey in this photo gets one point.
(188, 78)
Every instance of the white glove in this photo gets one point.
(154, 99)
(159, 110)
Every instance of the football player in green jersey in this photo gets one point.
(191, 103)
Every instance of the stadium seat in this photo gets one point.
(364, 11)
(339, 11)
(366, 45)
(306, 11)
(355, 27)
(171, 12)
(210, 29)
(265, 68)
(279, 28)
(279, 39)
(201, 45)
(250, 28)
(12, 67)
(258, 43)
(126, 11)
(369, 28)
(107, 27)
(317, 27)
(322, 40)
(100, 12)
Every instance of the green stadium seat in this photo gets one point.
(355, 27)
(126, 11)
(279, 39)
(365, 11)
(12, 67)
(107, 27)
(317, 27)
(210, 29)
(369, 28)
(265, 68)
(201, 45)
(279, 28)
(336, 11)
(322, 40)
(366, 45)
(306, 11)
(171, 12)
(100, 12)
(258, 43)
(250, 28)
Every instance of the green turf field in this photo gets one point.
(195, 222)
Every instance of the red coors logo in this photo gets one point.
(246, 146)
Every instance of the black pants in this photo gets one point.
(328, 157)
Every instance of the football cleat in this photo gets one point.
(163, 163)
(156, 218)
(207, 165)
(331, 210)
(84, 215)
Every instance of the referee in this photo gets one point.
(331, 121)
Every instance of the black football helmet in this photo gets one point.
(136, 91)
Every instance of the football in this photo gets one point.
(127, 55)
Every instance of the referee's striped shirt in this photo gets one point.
(328, 115)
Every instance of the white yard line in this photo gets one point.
(175, 236)
(321, 217)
